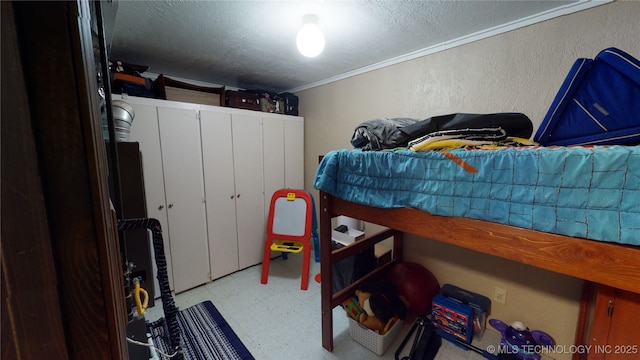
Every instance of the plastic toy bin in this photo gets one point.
(371, 339)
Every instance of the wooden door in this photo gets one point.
(614, 330)
(624, 333)
(217, 156)
(248, 166)
(144, 130)
(184, 190)
(62, 286)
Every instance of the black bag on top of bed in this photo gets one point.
(381, 133)
(384, 133)
(598, 103)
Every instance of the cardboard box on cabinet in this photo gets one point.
(169, 89)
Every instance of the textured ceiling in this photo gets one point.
(251, 44)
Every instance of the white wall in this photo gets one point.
(517, 71)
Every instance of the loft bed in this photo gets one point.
(570, 210)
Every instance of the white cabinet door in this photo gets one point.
(248, 166)
(294, 152)
(217, 157)
(145, 131)
(283, 146)
(184, 192)
(232, 157)
(274, 154)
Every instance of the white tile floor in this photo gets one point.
(279, 321)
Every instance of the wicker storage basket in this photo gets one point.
(371, 339)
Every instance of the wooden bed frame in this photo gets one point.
(600, 262)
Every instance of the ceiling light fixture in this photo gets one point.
(310, 39)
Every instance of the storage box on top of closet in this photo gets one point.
(169, 89)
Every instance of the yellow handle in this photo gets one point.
(140, 305)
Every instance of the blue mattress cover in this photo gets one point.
(587, 192)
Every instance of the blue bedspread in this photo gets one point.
(587, 192)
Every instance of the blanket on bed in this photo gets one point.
(389, 133)
(588, 192)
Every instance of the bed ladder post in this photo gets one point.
(398, 246)
(326, 290)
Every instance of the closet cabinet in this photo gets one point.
(246, 157)
(233, 172)
(210, 172)
(171, 155)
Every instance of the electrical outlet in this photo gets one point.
(500, 295)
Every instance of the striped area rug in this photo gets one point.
(206, 335)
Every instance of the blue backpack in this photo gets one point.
(597, 104)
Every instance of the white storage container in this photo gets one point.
(371, 339)
(347, 238)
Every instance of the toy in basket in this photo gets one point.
(376, 315)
